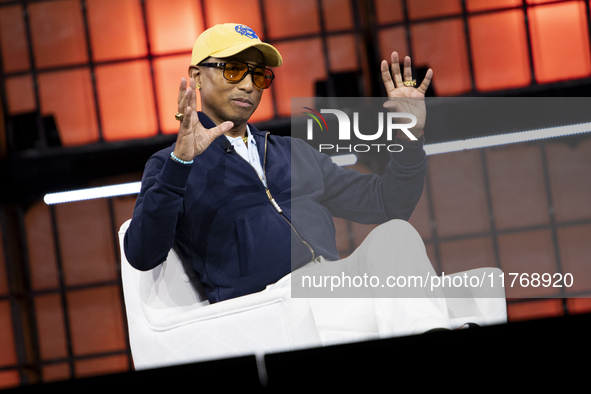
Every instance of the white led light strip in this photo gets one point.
(350, 159)
(503, 139)
(95, 192)
(134, 187)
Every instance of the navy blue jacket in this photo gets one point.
(222, 219)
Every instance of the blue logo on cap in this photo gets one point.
(246, 31)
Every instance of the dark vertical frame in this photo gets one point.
(330, 89)
(117, 257)
(34, 76)
(62, 290)
(489, 205)
(468, 46)
(21, 302)
(553, 228)
(588, 18)
(92, 69)
(266, 35)
(407, 30)
(150, 59)
(434, 240)
(532, 70)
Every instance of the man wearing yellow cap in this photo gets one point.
(223, 194)
(228, 95)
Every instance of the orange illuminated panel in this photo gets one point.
(518, 197)
(484, 5)
(419, 9)
(459, 194)
(442, 46)
(40, 247)
(102, 365)
(54, 372)
(9, 378)
(87, 251)
(389, 11)
(51, 331)
(570, 180)
(527, 253)
(8, 353)
(390, 40)
(58, 33)
(168, 72)
(245, 12)
(560, 41)
(13, 38)
(579, 305)
(342, 53)
(287, 18)
(126, 100)
(534, 310)
(68, 96)
(466, 254)
(575, 250)
(96, 320)
(539, 1)
(337, 14)
(120, 37)
(173, 25)
(123, 208)
(499, 50)
(303, 65)
(20, 95)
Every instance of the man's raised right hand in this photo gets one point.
(193, 138)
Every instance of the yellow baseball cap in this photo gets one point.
(229, 39)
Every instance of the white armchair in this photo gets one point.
(171, 322)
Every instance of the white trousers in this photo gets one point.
(392, 249)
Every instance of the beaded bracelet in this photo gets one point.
(179, 160)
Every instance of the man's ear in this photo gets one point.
(195, 73)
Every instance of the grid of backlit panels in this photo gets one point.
(109, 69)
(520, 207)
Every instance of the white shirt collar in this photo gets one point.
(248, 134)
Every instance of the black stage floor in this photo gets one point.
(530, 353)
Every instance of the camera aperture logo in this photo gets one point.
(315, 117)
(391, 120)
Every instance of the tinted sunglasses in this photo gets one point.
(236, 71)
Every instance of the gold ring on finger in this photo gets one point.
(410, 83)
(178, 116)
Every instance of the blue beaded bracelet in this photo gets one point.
(179, 160)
